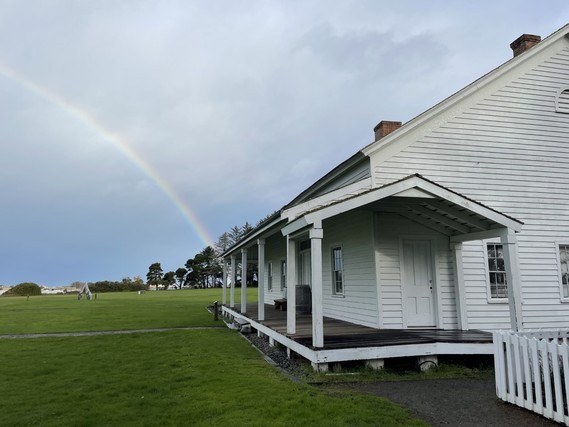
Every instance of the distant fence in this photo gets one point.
(532, 371)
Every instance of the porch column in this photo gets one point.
(512, 266)
(316, 235)
(224, 283)
(460, 291)
(233, 279)
(261, 278)
(244, 280)
(291, 285)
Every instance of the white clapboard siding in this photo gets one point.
(354, 232)
(390, 228)
(275, 252)
(509, 151)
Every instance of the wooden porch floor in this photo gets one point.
(339, 334)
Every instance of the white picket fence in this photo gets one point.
(532, 371)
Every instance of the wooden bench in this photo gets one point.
(280, 304)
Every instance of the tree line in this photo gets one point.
(205, 269)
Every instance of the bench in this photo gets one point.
(243, 325)
(280, 304)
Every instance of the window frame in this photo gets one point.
(558, 245)
(283, 274)
(333, 271)
(491, 299)
(270, 275)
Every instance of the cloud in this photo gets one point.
(237, 105)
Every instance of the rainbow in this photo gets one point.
(117, 141)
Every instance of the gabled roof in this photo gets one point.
(421, 200)
(387, 142)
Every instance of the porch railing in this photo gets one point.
(532, 371)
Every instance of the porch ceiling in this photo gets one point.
(420, 200)
(438, 214)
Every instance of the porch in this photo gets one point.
(344, 341)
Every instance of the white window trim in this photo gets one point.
(283, 274)
(489, 298)
(270, 274)
(331, 254)
(558, 259)
(558, 107)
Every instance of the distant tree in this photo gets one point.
(154, 275)
(235, 235)
(23, 289)
(246, 229)
(169, 279)
(180, 275)
(223, 243)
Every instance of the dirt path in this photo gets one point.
(457, 402)
(92, 333)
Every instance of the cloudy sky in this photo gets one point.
(134, 132)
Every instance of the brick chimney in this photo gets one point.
(523, 43)
(384, 128)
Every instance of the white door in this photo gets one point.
(418, 283)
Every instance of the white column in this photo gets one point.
(460, 291)
(244, 280)
(233, 279)
(290, 286)
(512, 266)
(224, 283)
(316, 235)
(261, 278)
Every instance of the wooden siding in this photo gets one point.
(354, 232)
(510, 152)
(357, 173)
(390, 229)
(275, 252)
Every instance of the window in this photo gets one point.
(562, 100)
(337, 271)
(564, 269)
(283, 274)
(270, 276)
(497, 271)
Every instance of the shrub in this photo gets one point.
(24, 289)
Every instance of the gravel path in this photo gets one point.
(458, 402)
(91, 333)
(453, 402)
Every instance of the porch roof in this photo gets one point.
(421, 200)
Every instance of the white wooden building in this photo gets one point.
(457, 220)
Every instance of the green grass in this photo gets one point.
(110, 311)
(187, 377)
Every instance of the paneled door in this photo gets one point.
(418, 283)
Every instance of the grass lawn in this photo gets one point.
(184, 377)
(110, 311)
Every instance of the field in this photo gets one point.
(181, 377)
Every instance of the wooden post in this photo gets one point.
(460, 291)
(224, 283)
(261, 278)
(316, 235)
(233, 279)
(291, 285)
(511, 264)
(244, 280)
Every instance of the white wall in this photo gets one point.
(509, 151)
(275, 252)
(354, 232)
(390, 229)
